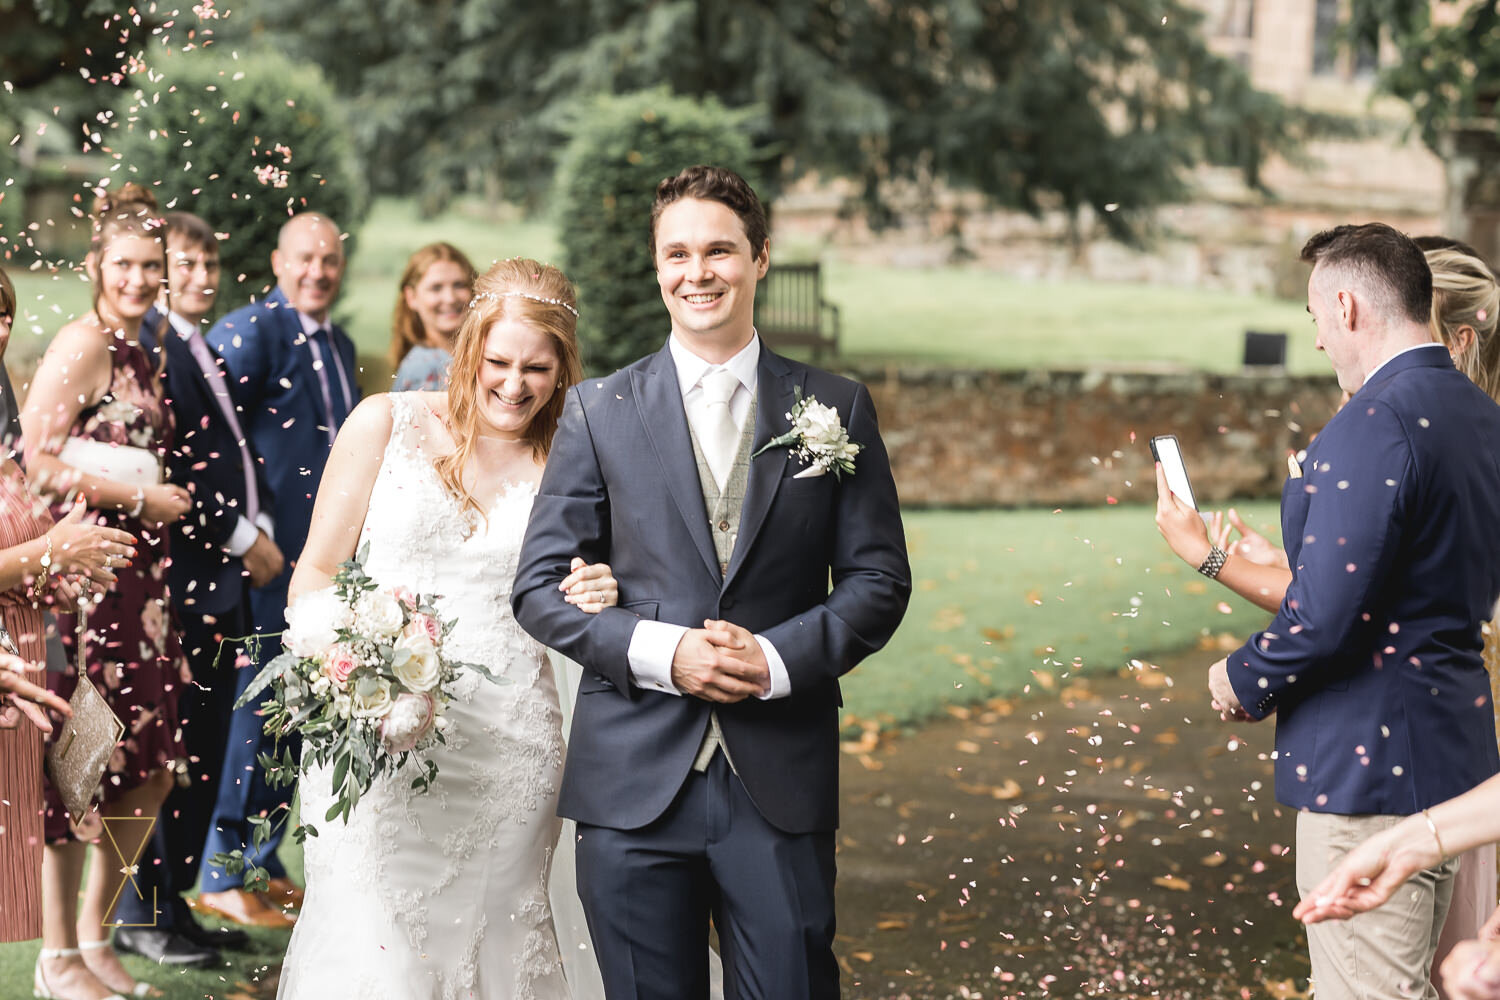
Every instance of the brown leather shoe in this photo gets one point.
(284, 894)
(243, 907)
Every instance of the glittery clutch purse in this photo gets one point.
(81, 748)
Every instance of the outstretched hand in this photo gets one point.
(20, 697)
(1252, 546)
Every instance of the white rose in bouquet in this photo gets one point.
(371, 698)
(379, 614)
(419, 668)
(410, 720)
(313, 623)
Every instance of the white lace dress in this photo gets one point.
(445, 894)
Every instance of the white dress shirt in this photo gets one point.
(653, 644)
(1404, 350)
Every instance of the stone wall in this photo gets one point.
(1062, 438)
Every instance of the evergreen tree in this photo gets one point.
(1073, 103)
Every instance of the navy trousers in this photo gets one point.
(172, 859)
(243, 791)
(648, 893)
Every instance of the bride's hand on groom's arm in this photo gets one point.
(590, 587)
(721, 663)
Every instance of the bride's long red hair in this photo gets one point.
(529, 292)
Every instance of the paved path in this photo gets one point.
(1112, 838)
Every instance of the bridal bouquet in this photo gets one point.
(363, 678)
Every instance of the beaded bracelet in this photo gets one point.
(1213, 562)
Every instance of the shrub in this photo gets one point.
(243, 142)
(621, 148)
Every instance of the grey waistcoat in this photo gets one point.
(723, 509)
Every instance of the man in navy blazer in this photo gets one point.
(222, 546)
(703, 763)
(293, 377)
(1373, 665)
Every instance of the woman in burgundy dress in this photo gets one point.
(96, 427)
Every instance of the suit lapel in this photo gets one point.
(659, 399)
(774, 396)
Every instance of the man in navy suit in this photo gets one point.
(222, 547)
(703, 763)
(293, 378)
(1373, 665)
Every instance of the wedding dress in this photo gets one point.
(449, 893)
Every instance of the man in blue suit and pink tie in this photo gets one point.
(293, 377)
(1373, 664)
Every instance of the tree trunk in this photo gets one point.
(1471, 164)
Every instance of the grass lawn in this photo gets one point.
(1017, 601)
(954, 316)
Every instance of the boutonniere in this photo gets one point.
(817, 437)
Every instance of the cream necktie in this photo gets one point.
(718, 434)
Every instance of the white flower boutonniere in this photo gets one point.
(817, 437)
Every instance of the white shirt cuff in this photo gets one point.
(652, 647)
(264, 523)
(244, 536)
(781, 681)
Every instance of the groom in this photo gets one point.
(703, 763)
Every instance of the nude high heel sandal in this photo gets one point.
(39, 986)
(141, 989)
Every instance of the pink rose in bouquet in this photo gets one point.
(406, 596)
(409, 721)
(339, 663)
(424, 627)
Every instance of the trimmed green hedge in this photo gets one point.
(243, 142)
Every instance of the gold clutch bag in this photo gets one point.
(80, 751)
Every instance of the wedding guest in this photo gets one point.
(1395, 569)
(96, 426)
(1464, 317)
(219, 550)
(74, 550)
(435, 290)
(292, 376)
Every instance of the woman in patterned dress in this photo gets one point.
(435, 290)
(96, 427)
(26, 534)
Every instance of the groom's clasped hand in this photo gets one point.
(721, 662)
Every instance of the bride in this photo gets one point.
(445, 894)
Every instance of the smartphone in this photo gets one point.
(1165, 449)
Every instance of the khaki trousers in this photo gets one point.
(1385, 954)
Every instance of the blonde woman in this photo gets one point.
(446, 893)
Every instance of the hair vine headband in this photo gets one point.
(514, 294)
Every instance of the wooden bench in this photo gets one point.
(790, 310)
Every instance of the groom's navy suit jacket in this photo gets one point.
(622, 487)
(1373, 665)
